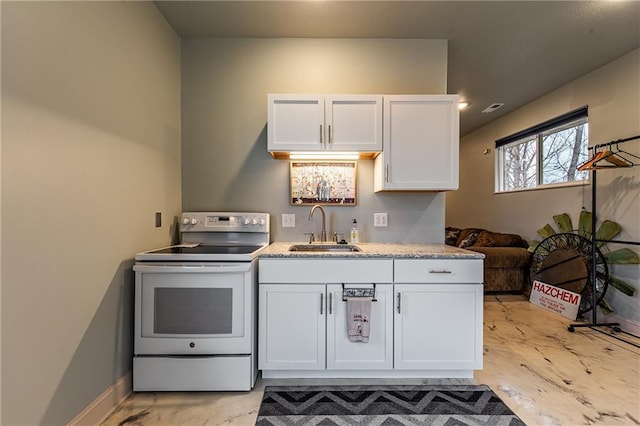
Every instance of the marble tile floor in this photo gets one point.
(545, 374)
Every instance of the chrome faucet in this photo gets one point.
(323, 235)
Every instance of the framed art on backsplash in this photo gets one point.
(323, 182)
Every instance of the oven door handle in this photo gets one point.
(223, 268)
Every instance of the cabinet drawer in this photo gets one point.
(438, 271)
(325, 271)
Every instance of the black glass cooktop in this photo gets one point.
(203, 249)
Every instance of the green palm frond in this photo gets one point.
(564, 222)
(546, 231)
(607, 230)
(622, 286)
(623, 256)
(584, 224)
(605, 307)
(533, 245)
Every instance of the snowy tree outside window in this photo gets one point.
(546, 155)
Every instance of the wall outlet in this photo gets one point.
(288, 220)
(379, 219)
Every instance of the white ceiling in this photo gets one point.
(499, 51)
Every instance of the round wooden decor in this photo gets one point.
(565, 261)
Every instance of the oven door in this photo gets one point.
(203, 309)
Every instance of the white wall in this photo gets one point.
(90, 151)
(225, 164)
(612, 93)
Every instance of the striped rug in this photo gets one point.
(388, 405)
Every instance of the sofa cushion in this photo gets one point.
(504, 257)
(485, 239)
(468, 240)
(451, 235)
(508, 240)
(464, 233)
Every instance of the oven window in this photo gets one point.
(193, 310)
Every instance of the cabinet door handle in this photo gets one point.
(321, 304)
(386, 173)
(321, 135)
(330, 135)
(399, 298)
(439, 271)
(330, 303)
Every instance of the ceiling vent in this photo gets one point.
(492, 107)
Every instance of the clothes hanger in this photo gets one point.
(615, 158)
(618, 161)
(588, 165)
(612, 158)
(619, 150)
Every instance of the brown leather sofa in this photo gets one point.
(506, 262)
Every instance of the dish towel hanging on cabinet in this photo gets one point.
(358, 317)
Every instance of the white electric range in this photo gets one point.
(196, 305)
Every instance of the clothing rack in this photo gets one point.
(615, 142)
(359, 292)
(594, 242)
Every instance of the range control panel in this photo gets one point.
(224, 222)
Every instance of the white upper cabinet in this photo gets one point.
(295, 123)
(354, 122)
(330, 123)
(420, 144)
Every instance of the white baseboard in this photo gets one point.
(627, 325)
(104, 405)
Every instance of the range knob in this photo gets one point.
(254, 221)
(246, 221)
(194, 221)
(185, 221)
(262, 222)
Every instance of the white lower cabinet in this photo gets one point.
(303, 319)
(428, 325)
(436, 326)
(291, 327)
(304, 327)
(377, 353)
(438, 314)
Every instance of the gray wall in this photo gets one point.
(225, 164)
(91, 133)
(90, 150)
(612, 93)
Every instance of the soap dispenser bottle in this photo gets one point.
(355, 236)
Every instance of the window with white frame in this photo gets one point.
(544, 155)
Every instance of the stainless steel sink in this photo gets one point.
(330, 248)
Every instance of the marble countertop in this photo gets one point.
(375, 250)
